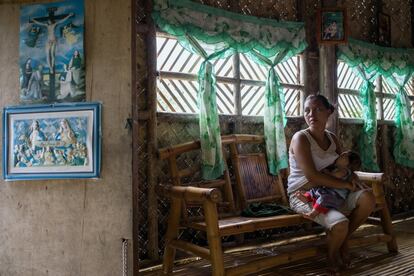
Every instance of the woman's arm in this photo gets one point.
(300, 147)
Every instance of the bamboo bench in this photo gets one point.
(222, 203)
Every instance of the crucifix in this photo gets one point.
(50, 22)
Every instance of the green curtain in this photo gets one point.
(368, 137)
(404, 136)
(274, 114)
(396, 65)
(214, 33)
(210, 135)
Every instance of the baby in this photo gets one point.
(323, 198)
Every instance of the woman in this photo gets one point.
(66, 86)
(34, 88)
(27, 73)
(312, 150)
(75, 65)
(65, 134)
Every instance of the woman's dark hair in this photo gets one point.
(322, 99)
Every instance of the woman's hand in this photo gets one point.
(352, 186)
(359, 185)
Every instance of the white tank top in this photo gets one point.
(321, 159)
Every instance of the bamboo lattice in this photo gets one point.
(177, 83)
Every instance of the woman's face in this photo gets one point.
(316, 114)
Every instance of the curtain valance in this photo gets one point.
(372, 58)
(242, 33)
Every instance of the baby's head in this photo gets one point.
(349, 159)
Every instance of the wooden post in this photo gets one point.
(152, 135)
(310, 56)
(172, 234)
(328, 79)
(328, 75)
(135, 127)
(237, 93)
(214, 239)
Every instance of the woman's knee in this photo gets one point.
(367, 201)
(340, 227)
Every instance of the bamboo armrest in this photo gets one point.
(366, 176)
(375, 180)
(193, 194)
(178, 149)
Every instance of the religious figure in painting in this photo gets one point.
(51, 38)
(36, 136)
(65, 133)
(27, 72)
(34, 86)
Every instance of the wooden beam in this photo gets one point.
(191, 248)
(152, 135)
(237, 92)
(135, 127)
(328, 81)
(234, 81)
(328, 74)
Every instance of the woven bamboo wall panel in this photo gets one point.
(400, 181)
(143, 191)
(361, 19)
(141, 73)
(400, 13)
(285, 10)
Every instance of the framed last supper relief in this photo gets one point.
(52, 141)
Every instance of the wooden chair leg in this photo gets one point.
(214, 239)
(386, 224)
(172, 234)
(386, 221)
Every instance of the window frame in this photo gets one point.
(236, 81)
(379, 95)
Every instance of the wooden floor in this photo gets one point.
(372, 260)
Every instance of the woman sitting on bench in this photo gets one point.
(312, 150)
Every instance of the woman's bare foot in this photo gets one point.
(345, 257)
(301, 196)
(333, 267)
(333, 271)
(311, 215)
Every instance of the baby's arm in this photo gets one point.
(338, 173)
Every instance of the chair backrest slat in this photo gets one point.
(254, 183)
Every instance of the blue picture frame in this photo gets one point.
(57, 141)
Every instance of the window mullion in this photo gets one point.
(237, 85)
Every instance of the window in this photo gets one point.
(348, 84)
(177, 82)
(348, 97)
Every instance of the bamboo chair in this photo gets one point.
(253, 184)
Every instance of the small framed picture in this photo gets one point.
(332, 26)
(52, 141)
(384, 29)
